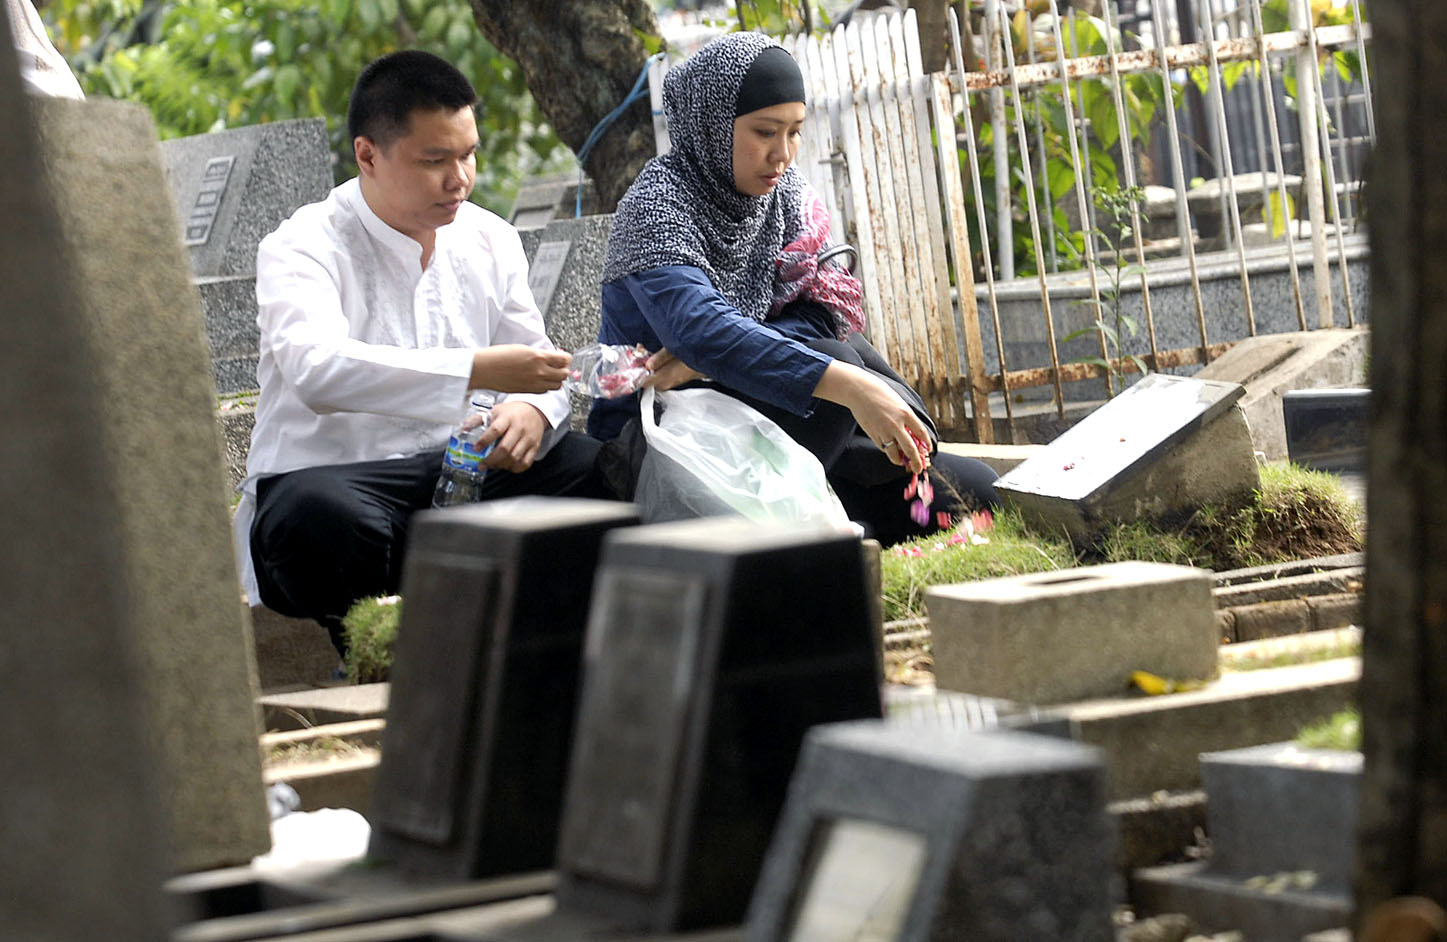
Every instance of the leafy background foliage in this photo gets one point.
(208, 65)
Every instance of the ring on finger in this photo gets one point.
(886, 445)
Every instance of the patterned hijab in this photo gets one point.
(685, 210)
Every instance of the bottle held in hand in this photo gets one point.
(607, 371)
(462, 472)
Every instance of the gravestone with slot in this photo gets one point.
(1159, 450)
(913, 834)
(484, 682)
(713, 645)
(232, 188)
(1281, 819)
(151, 424)
(83, 827)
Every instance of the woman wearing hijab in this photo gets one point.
(712, 262)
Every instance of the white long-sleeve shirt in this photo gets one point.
(365, 355)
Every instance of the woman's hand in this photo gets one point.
(880, 412)
(669, 371)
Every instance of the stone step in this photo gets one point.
(301, 709)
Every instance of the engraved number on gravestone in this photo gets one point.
(642, 646)
(208, 200)
(546, 269)
(860, 881)
(441, 685)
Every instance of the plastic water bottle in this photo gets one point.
(462, 470)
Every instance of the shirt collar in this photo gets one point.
(402, 245)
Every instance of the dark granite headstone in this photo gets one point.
(713, 645)
(1160, 449)
(1326, 429)
(906, 834)
(480, 716)
(232, 188)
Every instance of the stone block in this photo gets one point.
(1221, 903)
(1058, 636)
(1335, 611)
(900, 833)
(1153, 743)
(234, 187)
(1283, 808)
(1002, 459)
(340, 782)
(1326, 429)
(1157, 827)
(228, 310)
(1157, 451)
(305, 708)
(1271, 619)
(153, 419)
(236, 418)
(1273, 364)
(84, 827)
(291, 650)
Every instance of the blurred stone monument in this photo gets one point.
(148, 428)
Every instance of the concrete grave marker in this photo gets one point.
(573, 309)
(1052, 637)
(486, 675)
(152, 418)
(1160, 449)
(712, 646)
(1281, 819)
(918, 834)
(83, 823)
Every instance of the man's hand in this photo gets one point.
(518, 368)
(518, 429)
(669, 371)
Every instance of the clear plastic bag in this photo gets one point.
(711, 454)
(607, 371)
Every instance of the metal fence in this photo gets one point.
(940, 178)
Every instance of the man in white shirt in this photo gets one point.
(380, 308)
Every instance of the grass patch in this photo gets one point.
(1296, 514)
(1341, 731)
(371, 629)
(1012, 550)
(311, 750)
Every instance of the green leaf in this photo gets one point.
(1273, 215)
(288, 77)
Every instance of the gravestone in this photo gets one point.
(151, 418)
(1159, 450)
(917, 834)
(82, 820)
(1326, 429)
(1281, 819)
(713, 645)
(1272, 365)
(573, 310)
(232, 188)
(484, 683)
(1053, 637)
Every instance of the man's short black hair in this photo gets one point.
(399, 83)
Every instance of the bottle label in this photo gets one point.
(465, 456)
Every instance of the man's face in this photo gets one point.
(419, 180)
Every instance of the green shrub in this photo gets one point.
(371, 630)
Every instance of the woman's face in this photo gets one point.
(765, 143)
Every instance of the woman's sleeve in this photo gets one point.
(700, 327)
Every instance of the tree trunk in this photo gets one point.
(934, 33)
(580, 58)
(1402, 834)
